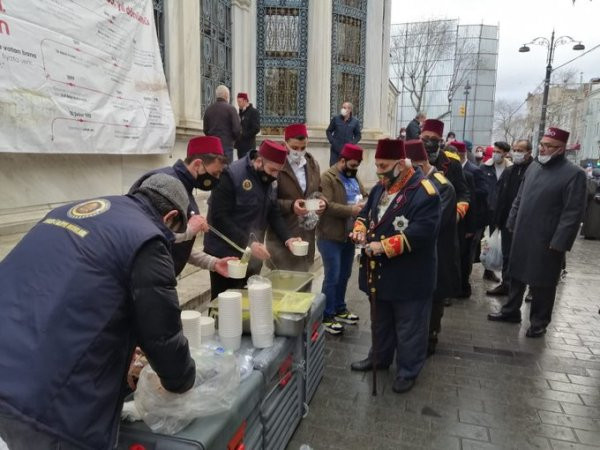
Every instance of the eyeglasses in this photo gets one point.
(549, 146)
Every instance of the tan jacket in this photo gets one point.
(288, 191)
(334, 222)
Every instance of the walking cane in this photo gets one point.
(372, 297)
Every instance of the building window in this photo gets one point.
(281, 62)
(348, 55)
(215, 28)
(159, 22)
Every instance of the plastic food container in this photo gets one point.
(237, 269)
(300, 248)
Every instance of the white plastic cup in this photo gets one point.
(236, 269)
(207, 327)
(262, 340)
(190, 323)
(231, 343)
(230, 314)
(312, 204)
(300, 248)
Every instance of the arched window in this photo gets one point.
(215, 29)
(282, 27)
(348, 55)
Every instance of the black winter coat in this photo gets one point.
(508, 188)
(413, 130)
(250, 120)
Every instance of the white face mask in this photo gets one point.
(543, 159)
(296, 157)
(498, 158)
(344, 112)
(518, 157)
(478, 154)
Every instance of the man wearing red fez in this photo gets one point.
(431, 135)
(201, 169)
(298, 181)
(250, 121)
(544, 219)
(448, 270)
(344, 193)
(242, 207)
(398, 228)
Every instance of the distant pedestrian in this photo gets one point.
(222, 120)
(343, 129)
(450, 137)
(413, 130)
(545, 218)
(250, 122)
(402, 134)
(591, 221)
(479, 154)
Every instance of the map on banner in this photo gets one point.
(82, 76)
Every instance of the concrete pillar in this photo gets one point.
(243, 35)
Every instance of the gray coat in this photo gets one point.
(545, 218)
(591, 221)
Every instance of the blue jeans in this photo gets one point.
(337, 264)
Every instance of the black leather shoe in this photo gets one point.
(491, 276)
(402, 385)
(500, 317)
(499, 290)
(535, 332)
(364, 365)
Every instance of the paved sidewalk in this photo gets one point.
(487, 387)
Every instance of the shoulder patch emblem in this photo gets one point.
(90, 208)
(246, 184)
(441, 178)
(428, 187)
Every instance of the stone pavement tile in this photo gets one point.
(544, 404)
(574, 388)
(566, 420)
(560, 445)
(587, 381)
(508, 439)
(418, 438)
(579, 410)
(588, 437)
(590, 400)
(463, 430)
(467, 444)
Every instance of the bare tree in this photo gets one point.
(465, 62)
(509, 123)
(416, 51)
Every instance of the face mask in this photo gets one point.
(479, 155)
(206, 181)
(518, 157)
(296, 156)
(388, 178)
(543, 159)
(498, 158)
(350, 173)
(433, 149)
(265, 177)
(344, 112)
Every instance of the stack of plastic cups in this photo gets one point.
(207, 328)
(190, 321)
(261, 314)
(230, 320)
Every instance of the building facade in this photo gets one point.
(590, 143)
(298, 60)
(432, 63)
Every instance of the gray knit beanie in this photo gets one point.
(172, 190)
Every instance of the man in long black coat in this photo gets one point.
(545, 219)
(250, 122)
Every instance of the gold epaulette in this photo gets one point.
(428, 186)
(452, 155)
(441, 178)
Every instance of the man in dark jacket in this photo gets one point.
(475, 220)
(250, 122)
(343, 129)
(508, 187)
(201, 169)
(86, 285)
(448, 270)
(413, 130)
(222, 120)
(241, 207)
(545, 219)
(398, 227)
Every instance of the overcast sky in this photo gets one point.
(520, 21)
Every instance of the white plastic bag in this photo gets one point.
(491, 251)
(217, 379)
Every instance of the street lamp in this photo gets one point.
(467, 89)
(551, 45)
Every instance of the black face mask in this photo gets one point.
(433, 149)
(206, 181)
(388, 177)
(265, 177)
(350, 173)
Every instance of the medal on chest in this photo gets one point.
(400, 224)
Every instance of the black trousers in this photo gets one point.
(23, 436)
(542, 303)
(506, 243)
(469, 251)
(401, 327)
(435, 320)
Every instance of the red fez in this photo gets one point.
(390, 149)
(273, 152)
(351, 151)
(434, 125)
(242, 95)
(558, 134)
(295, 130)
(488, 153)
(460, 147)
(204, 145)
(415, 150)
